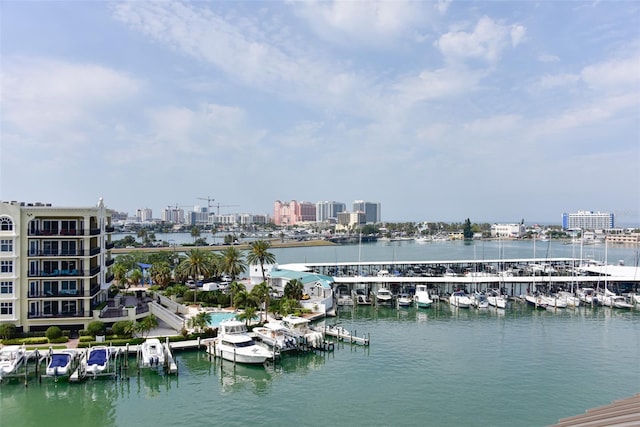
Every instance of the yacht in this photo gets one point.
(274, 334)
(234, 343)
(460, 299)
(422, 297)
(383, 296)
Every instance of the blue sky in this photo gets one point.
(493, 111)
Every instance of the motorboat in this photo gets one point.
(422, 297)
(97, 360)
(570, 299)
(383, 296)
(496, 299)
(479, 300)
(234, 344)
(300, 328)
(555, 301)
(459, 299)
(536, 301)
(152, 353)
(404, 300)
(361, 297)
(274, 334)
(586, 295)
(11, 359)
(60, 363)
(619, 301)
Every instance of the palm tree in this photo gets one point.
(200, 321)
(294, 289)
(259, 254)
(120, 274)
(195, 233)
(195, 265)
(247, 315)
(234, 289)
(244, 299)
(160, 273)
(232, 262)
(262, 293)
(144, 327)
(135, 277)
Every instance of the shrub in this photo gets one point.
(123, 328)
(7, 331)
(96, 328)
(59, 340)
(53, 333)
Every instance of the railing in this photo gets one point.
(57, 273)
(94, 271)
(63, 232)
(94, 290)
(109, 278)
(109, 261)
(94, 231)
(114, 312)
(40, 315)
(109, 245)
(109, 229)
(94, 251)
(61, 253)
(63, 293)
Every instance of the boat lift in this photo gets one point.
(344, 335)
(170, 366)
(21, 369)
(111, 370)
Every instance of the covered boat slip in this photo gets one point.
(513, 276)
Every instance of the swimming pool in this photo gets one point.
(216, 318)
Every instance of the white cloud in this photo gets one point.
(371, 23)
(613, 74)
(546, 57)
(550, 81)
(486, 41)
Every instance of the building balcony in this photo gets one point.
(109, 245)
(94, 231)
(59, 273)
(60, 232)
(67, 253)
(63, 293)
(94, 251)
(110, 229)
(109, 262)
(61, 315)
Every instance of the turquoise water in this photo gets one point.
(216, 318)
(450, 367)
(438, 367)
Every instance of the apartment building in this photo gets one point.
(588, 220)
(54, 264)
(293, 212)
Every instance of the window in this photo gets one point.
(6, 224)
(6, 266)
(6, 288)
(6, 309)
(68, 287)
(68, 307)
(6, 245)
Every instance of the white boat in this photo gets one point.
(536, 301)
(97, 360)
(383, 296)
(299, 327)
(635, 298)
(585, 295)
(618, 301)
(152, 353)
(11, 359)
(361, 297)
(479, 300)
(60, 363)
(274, 334)
(234, 343)
(569, 299)
(554, 301)
(404, 300)
(422, 298)
(496, 299)
(459, 299)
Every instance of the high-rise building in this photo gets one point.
(144, 215)
(371, 211)
(293, 212)
(588, 220)
(174, 215)
(327, 211)
(55, 264)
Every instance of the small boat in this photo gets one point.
(383, 296)
(536, 301)
(275, 335)
(459, 299)
(300, 328)
(569, 299)
(362, 298)
(479, 300)
(404, 300)
(152, 353)
(495, 299)
(234, 344)
(555, 301)
(586, 295)
(11, 359)
(422, 297)
(97, 360)
(619, 301)
(60, 363)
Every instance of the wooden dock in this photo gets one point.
(625, 412)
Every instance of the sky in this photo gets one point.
(496, 111)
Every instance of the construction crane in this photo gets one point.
(210, 204)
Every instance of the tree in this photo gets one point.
(96, 328)
(136, 277)
(123, 328)
(248, 314)
(195, 233)
(234, 289)
(195, 265)
(145, 325)
(120, 274)
(160, 273)
(259, 254)
(53, 333)
(232, 262)
(294, 289)
(467, 231)
(7, 331)
(262, 294)
(200, 321)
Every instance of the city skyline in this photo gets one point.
(494, 111)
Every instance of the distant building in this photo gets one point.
(588, 220)
(55, 264)
(514, 231)
(348, 220)
(174, 215)
(144, 215)
(328, 211)
(293, 212)
(371, 211)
